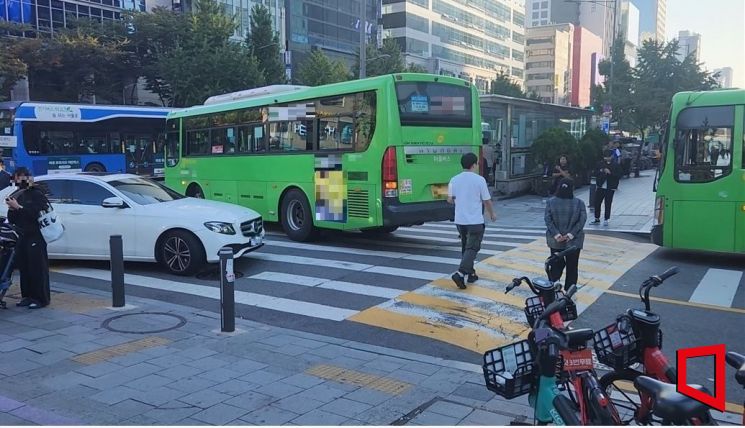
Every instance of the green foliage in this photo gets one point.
(12, 69)
(590, 149)
(504, 85)
(263, 44)
(386, 60)
(553, 143)
(319, 69)
(415, 68)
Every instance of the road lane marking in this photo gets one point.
(717, 287)
(676, 302)
(347, 287)
(280, 304)
(406, 273)
(454, 240)
(486, 234)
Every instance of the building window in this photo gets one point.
(535, 15)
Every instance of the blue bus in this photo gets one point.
(51, 138)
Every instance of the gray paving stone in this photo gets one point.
(170, 360)
(431, 418)
(472, 390)
(481, 417)
(517, 407)
(33, 334)
(194, 352)
(180, 372)
(159, 396)
(298, 405)
(450, 409)
(234, 387)
(344, 407)
(278, 389)
(421, 368)
(408, 376)
(131, 359)
(100, 369)
(251, 400)
(332, 351)
(204, 399)
(269, 415)
(324, 392)
(149, 382)
(368, 396)
(220, 414)
(207, 363)
(171, 413)
(141, 369)
(142, 420)
(16, 367)
(220, 375)
(52, 357)
(263, 377)
(65, 380)
(303, 380)
(6, 419)
(107, 381)
(129, 408)
(319, 417)
(115, 395)
(384, 365)
(192, 384)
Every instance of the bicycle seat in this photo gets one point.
(738, 362)
(669, 404)
(578, 338)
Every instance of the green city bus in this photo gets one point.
(700, 188)
(371, 154)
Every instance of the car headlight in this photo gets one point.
(220, 227)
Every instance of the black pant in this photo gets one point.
(470, 244)
(571, 262)
(33, 265)
(600, 196)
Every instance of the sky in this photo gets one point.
(721, 24)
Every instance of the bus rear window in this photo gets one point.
(429, 103)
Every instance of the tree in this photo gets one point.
(504, 85)
(590, 151)
(12, 69)
(263, 44)
(553, 143)
(415, 68)
(319, 69)
(386, 60)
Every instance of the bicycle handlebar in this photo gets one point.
(654, 281)
(667, 274)
(565, 252)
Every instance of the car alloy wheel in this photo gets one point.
(177, 254)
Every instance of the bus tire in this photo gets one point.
(296, 217)
(94, 167)
(195, 191)
(180, 252)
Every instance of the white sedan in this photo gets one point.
(156, 223)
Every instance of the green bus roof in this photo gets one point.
(314, 92)
(711, 98)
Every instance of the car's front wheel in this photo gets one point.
(181, 253)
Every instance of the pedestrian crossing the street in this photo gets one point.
(401, 282)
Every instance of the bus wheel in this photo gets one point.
(95, 167)
(297, 219)
(195, 191)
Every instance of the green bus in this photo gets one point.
(700, 185)
(371, 154)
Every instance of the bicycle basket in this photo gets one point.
(615, 348)
(534, 308)
(509, 370)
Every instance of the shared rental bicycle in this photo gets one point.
(550, 361)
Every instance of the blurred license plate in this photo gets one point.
(439, 191)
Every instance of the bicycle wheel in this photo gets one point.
(619, 387)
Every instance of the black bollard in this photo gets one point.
(117, 271)
(227, 291)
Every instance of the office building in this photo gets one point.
(548, 62)
(474, 40)
(48, 16)
(723, 76)
(331, 26)
(689, 43)
(628, 25)
(653, 17)
(586, 47)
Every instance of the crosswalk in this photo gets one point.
(401, 282)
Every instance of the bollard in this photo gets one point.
(117, 270)
(593, 188)
(227, 291)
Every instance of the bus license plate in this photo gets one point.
(439, 191)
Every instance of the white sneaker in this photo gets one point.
(605, 222)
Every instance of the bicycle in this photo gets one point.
(551, 357)
(635, 338)
(737, 361)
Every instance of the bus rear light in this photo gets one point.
(390, 173)
(659, 210)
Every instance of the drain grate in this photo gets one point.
(144, 323)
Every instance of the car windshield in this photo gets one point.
(145, 192)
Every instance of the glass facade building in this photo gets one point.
(48, 16)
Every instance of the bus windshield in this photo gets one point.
(429, 103)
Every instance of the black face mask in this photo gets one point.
(23, 184)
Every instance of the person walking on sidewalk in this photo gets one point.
(24, 206)
(565, 218)
(606, 179)
(469, 193)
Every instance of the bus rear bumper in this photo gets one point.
(398, 214)
(656, 234)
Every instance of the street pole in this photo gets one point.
(613, 41)
(363, 47)
(227, 290)
(116, 255)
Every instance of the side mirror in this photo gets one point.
(114, 202)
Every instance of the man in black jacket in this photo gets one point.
(4, 176)
(606, 180)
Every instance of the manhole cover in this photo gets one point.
(144, 323)
(214, 274)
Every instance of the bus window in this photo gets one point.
(701, 135)
(56, 143)
(172, 149)
(93, 142)
(6, 122)
(434, 104)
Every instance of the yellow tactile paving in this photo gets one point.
(110, 352)
(440, 311)
(365, 380)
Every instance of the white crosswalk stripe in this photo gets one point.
(348, 287)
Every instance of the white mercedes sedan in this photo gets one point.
(156, 223)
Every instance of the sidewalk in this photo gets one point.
(74, 364)
(633, 207)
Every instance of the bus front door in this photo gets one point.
(139, 152)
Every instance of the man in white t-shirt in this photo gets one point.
(470, 195)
